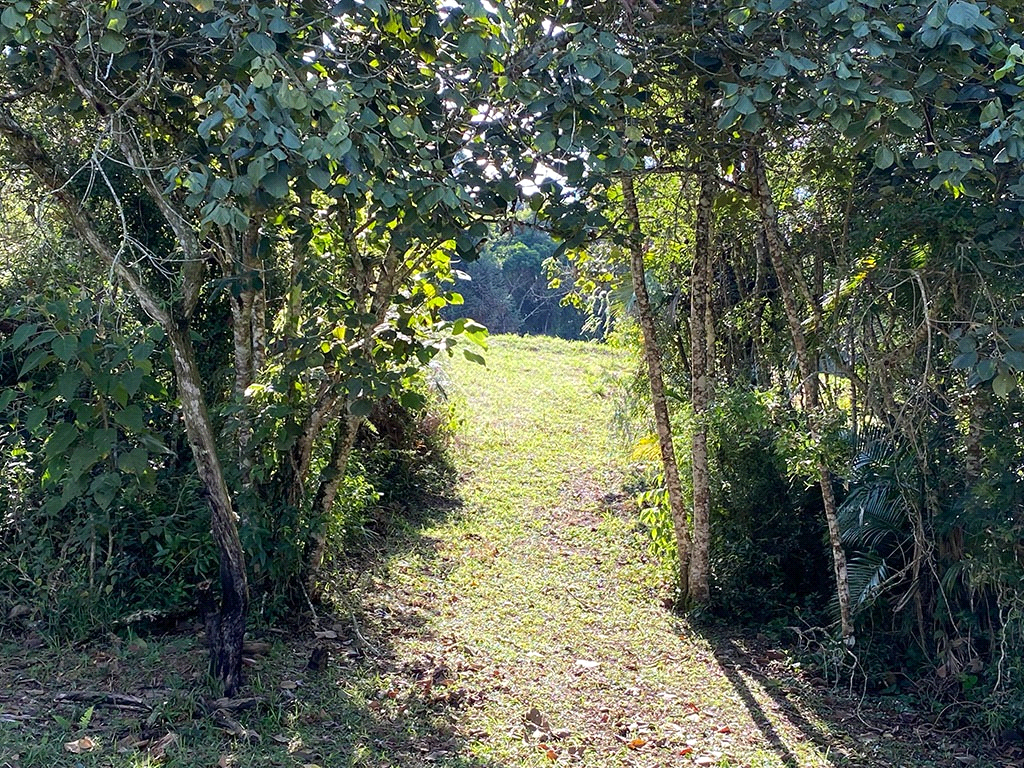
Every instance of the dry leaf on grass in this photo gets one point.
(80, 746)
(158, 749)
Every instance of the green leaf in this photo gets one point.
(83, 458)
(63, 435)
(399, 126)
(11, 19)
(131, 380)
(104, 488)
(65, 348)
(908, 117)
(67, 384)
(37, 359)
(545, 142)
(113, 42)
(471, 45)
(414, 401)
(965, 360)
(261, 43)
(276, 184)
(212, 121)
(965, 15)
(21, 335)
(986, 369)
(884, 157)
(474, 357)
(360, 407)
(131, 418)
(135, 461)
(1004, 384)
(35, 417)
(1014, 359)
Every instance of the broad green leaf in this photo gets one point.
(112, 42)
(131, 418)
(1014, 359)
(1004, 384)
(104, 489)
(884, 157)
(135, 461)
(360, 407)
(36, 359)
(21, 335)
(276, 184)
(63, 435)
(965, 360)
(12, 19)
(261, 43)
(986, 369)
(65, 348)
(545, 141)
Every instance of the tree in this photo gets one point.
(307, 167)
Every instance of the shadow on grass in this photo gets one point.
(739, 667)
(398, 709)
(371, 707)
(848, 732)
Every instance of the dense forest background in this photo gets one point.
(234, 237)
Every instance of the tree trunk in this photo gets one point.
(676, 500)
(700, 353)
(227, 630)
(229, 625)
(323, 502)
(808, 369)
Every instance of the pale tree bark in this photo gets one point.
(652, 356)
(323, 502)
(808, 369)
(701, 359)
(228, 628)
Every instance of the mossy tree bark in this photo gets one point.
(701, 357)
(652, 356)
(808, 369)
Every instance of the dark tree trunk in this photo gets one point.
(652, 355)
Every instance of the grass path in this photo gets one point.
(523, 627)
(549, 606)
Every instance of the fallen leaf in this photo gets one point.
(636, 743)
(158, 749)
(288, 685)
(587, 664)
(78, 746)
(704, 760)
(693, 718)
(725, 729)
(686, 750)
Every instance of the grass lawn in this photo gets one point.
(521, 624)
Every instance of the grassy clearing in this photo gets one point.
(523, 627)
